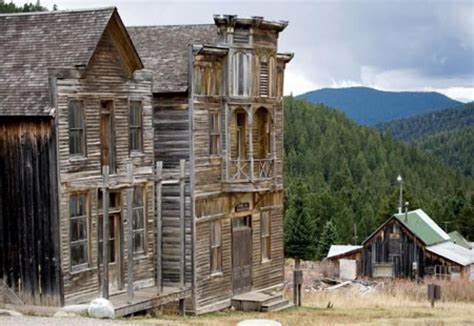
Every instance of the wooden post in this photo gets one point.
(159, 170)
(297, 283)
(250, 151)
(105, 233)
(130, 232)
(182, 228)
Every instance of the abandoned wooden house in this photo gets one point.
(76, 163)
(412, 245)
(218, 105)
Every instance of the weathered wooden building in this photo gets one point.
(412, 245)
(76, 162)
(218, 105)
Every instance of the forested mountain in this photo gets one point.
(339, 171)
(447, 134)
(369, 106)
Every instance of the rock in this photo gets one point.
(10, 313)
(101, 308)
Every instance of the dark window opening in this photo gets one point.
(76, 129)
(136, 126)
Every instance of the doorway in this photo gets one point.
(107, 138)
(242, 254)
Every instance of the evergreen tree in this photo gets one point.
(328, 238)
(27, 7)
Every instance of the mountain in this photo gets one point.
(369, 106)
(447, 134)
(345, 173)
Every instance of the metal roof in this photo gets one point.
(337, 250)
(423, 227)
(458, 239)
(453, 252)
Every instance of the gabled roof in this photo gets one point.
(458, 239)
(33, 43)
(338, 250)
(453, 252)
(165, 51)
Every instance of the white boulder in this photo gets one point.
(101, 308)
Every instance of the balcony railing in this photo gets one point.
(250, 170)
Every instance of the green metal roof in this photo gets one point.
(458, 239)
(423, 227)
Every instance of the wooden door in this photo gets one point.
(115, 250)
(107, 156)
(242, 254)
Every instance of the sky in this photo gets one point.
(389, 45)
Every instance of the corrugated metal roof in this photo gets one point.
(337, 250)
(453, 252)
(458, 239)
(421, 225)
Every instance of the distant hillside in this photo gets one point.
(447, 134)
(339, 171)
(369, 106)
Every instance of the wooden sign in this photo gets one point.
(241, 207)
(394, 236)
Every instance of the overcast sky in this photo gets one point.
(389, 45)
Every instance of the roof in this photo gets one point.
(423, 227)
(458, 239)
(453, 252)
(164, 50)
(32, 43)
(338, 250)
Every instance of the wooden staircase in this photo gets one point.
(264, 301)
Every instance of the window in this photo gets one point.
(265, 231)
(241, 135)
(78, 230)
(138, 221)
(216, 247)
(135, 127)
(76, 128)
(241, 73)
(214, 133)
(241, 36)
(264, 79)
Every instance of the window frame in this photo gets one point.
(215, 247)
(81, 128)
(241, 67)
(141, 230)
(138, 128)
(84, 241)
(266, 237)
(214, 133)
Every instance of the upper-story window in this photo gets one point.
(77, 136)
(241, 36)
(135, 127)
(241, 74)
(214, 133)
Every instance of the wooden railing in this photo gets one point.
(250, 170)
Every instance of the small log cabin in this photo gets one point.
(77, 155)
(412, 245)
(218, 105)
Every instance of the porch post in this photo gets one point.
(182, 227)
(105, 233)
(251, 143)
(130, 232)
(159, 169)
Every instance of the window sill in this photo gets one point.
(81, 269)
(139, 256)
(77, 159)
(266, 260)
(137, 154)
(217, 275)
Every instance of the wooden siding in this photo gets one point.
(29, 253)
(108, 77)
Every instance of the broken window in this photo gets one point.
(216, 247)
(78, 230)
(135, 127)
(214, 133)
(76, 128)
(138, 221)
(265, 231)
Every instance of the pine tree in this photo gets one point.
(328, 238)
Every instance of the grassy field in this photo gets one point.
(348, 307)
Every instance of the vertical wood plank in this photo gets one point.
(182, 203)
(105, 233)
(159, 169)
(130, 232)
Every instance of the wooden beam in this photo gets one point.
(130, 232)
(159, 178)
(105, 233)
(182, 229)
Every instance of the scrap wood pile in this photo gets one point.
(329, 285)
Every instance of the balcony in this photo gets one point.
(249, 175)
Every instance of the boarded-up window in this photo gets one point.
(216, 247)
(135, 126)
(138, 221)
(264, 78)
(241, 74)
(76, 128)
(78, 230)
(214, 133)
(265, 230)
